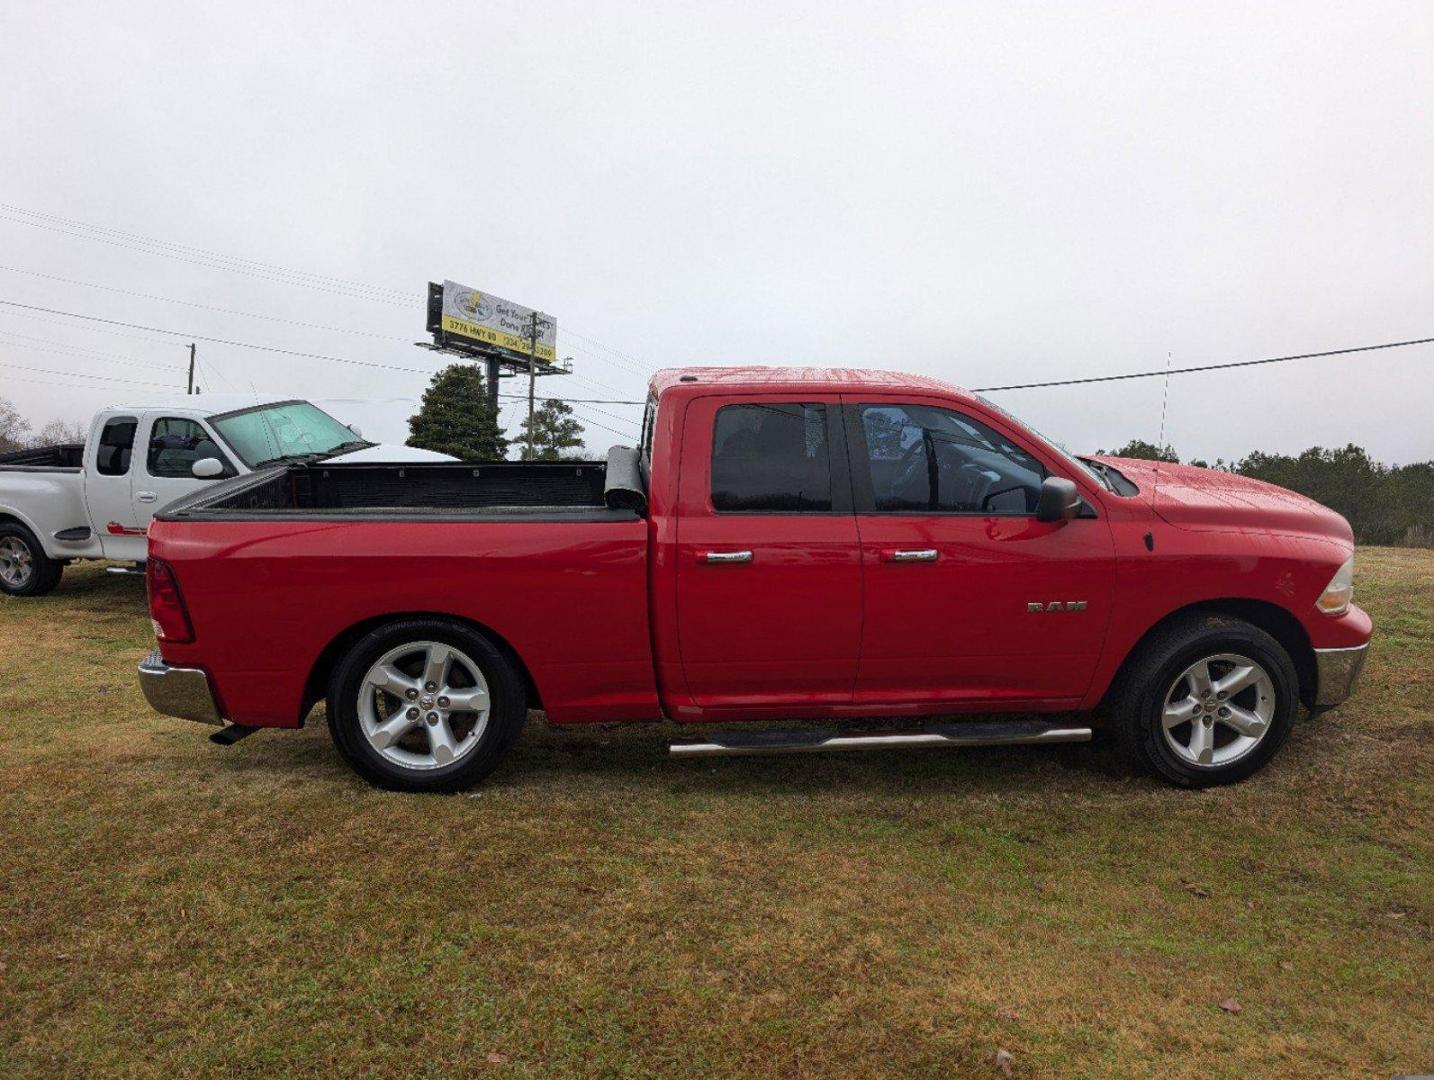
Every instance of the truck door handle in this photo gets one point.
(727, 557)
(918, 555)
(146, 497)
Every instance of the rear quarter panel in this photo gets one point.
(267, 597)
(46, 501)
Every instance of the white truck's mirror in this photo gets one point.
(358, 434)
(207, 468)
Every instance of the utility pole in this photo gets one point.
(191, 367)
(532, 378)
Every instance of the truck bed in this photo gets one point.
(443, 490)
(60, 456)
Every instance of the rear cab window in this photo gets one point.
(116, 446)
(771, 458)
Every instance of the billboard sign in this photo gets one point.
(485, 319)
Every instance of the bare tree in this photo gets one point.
(59, 431)
(13, 427)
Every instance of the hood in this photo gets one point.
(388, 453)
(1211, 500)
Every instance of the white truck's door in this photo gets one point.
(165, 470)
(109, 475)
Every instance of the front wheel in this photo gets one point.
(1207, 700)
(25, 569)
(424, 705)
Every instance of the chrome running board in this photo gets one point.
(815, 740)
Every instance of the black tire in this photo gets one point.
(42, 573)
(507, 709)
(1138, 700)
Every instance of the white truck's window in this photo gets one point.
(771, 458)
(175, 444)
(293, 429)
(116, 444)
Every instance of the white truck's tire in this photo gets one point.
(25, 569)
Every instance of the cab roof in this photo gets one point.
(797, 380)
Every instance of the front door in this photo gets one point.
(968, 598)
(165, 472)
(769, 572)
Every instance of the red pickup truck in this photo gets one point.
(785, 544)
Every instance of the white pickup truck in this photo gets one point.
(93, 500)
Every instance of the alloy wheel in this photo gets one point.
(16, 562)
(1218, 710)
(424, 705)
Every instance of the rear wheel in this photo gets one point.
(424, 705)
(1208, 700)
(25, 569)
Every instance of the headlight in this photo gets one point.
(1340, 590)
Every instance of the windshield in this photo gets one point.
(293, 429)
(1084, 466)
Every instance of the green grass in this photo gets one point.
(168, 907)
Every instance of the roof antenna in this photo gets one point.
(1160, 442)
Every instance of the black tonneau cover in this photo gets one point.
(62, 456)
(494, 490)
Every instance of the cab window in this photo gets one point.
(115, 446)
(771, 458)
(175, 444)
(924, 459)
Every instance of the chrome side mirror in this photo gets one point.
(207, 468)
(1059, 500)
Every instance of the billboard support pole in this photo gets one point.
(491, 363)
(532, 379)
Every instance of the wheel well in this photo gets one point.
(317, 685)
(1271, 618)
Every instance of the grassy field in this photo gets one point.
(168, 907)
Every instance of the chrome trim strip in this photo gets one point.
(1337, 672)
(881, 742)
(181, 692)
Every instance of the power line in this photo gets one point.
(214, 340)
(82, 375)
(171, 249)
(275, 349)
(1204, 367)
(206, 307)
(214, 260)
(51, 345)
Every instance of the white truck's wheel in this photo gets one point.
(25, 569)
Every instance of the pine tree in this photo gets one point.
(457, 418)
(554, 430)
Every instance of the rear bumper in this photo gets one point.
(1338, 670)
(175, 691)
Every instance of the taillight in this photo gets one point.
(166, 605)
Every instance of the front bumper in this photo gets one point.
(1337, 670)
(181, 692)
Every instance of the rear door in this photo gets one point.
(109, 476)
(968, 598)
(769, 572)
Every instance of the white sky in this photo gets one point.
(990, 193)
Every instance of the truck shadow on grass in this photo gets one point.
(635, 760)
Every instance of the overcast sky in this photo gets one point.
(990, 193)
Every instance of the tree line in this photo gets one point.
(456, 417)
(15, 432)
(1384, 504)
